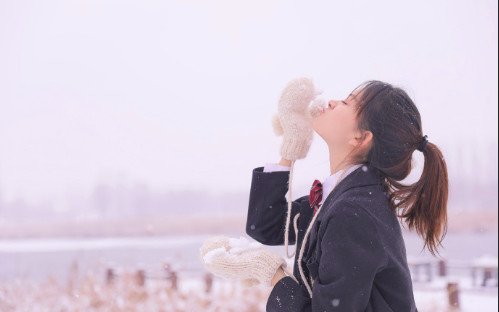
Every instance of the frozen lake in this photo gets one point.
(36, 258)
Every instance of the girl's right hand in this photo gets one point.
(294, 120)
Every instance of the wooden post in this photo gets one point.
(171, 276)
(442, 268)
(208, 279)
(140, 277)
(453, 293)
(173, 279)
(487, 274)
(110, 276)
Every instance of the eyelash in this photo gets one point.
(329, 105)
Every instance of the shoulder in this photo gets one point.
(351, 218)
(373, 199)
(345, 209)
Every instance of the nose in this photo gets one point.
(332, 103)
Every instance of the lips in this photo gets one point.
(317, 108)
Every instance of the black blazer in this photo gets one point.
(355, 252)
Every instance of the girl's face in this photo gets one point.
(337, 124)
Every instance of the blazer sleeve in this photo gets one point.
(268, 207)
(350, 255)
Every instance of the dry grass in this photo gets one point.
(92, 293)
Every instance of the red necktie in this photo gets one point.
(315, 195)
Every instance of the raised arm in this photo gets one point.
(268, 206)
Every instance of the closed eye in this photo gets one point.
(344, 102)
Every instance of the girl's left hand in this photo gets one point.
(251, 264)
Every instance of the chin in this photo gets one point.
(315, 130)
(318, 133)
(314, 125)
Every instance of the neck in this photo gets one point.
(336, 156)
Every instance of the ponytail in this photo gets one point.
(424, 203)
(394, 120)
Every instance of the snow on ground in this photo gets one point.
(90, 292)
(433, 296)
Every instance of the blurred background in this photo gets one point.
(129, 131)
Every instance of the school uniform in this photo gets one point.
(354, 258)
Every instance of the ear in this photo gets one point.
(362, 139)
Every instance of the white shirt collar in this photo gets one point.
(329, 182)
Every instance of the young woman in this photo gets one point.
(353, 256)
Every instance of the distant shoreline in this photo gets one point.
(459, 222)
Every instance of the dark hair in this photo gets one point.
(392, 117)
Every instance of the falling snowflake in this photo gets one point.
(335, 302)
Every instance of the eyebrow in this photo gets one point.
(350, 95)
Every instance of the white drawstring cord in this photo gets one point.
(288, 217)
(300, 255)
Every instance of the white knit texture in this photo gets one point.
(236, 260)
(294, 118)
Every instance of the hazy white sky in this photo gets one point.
(180, 94)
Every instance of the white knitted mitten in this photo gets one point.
(294, 117)
(239, 260)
